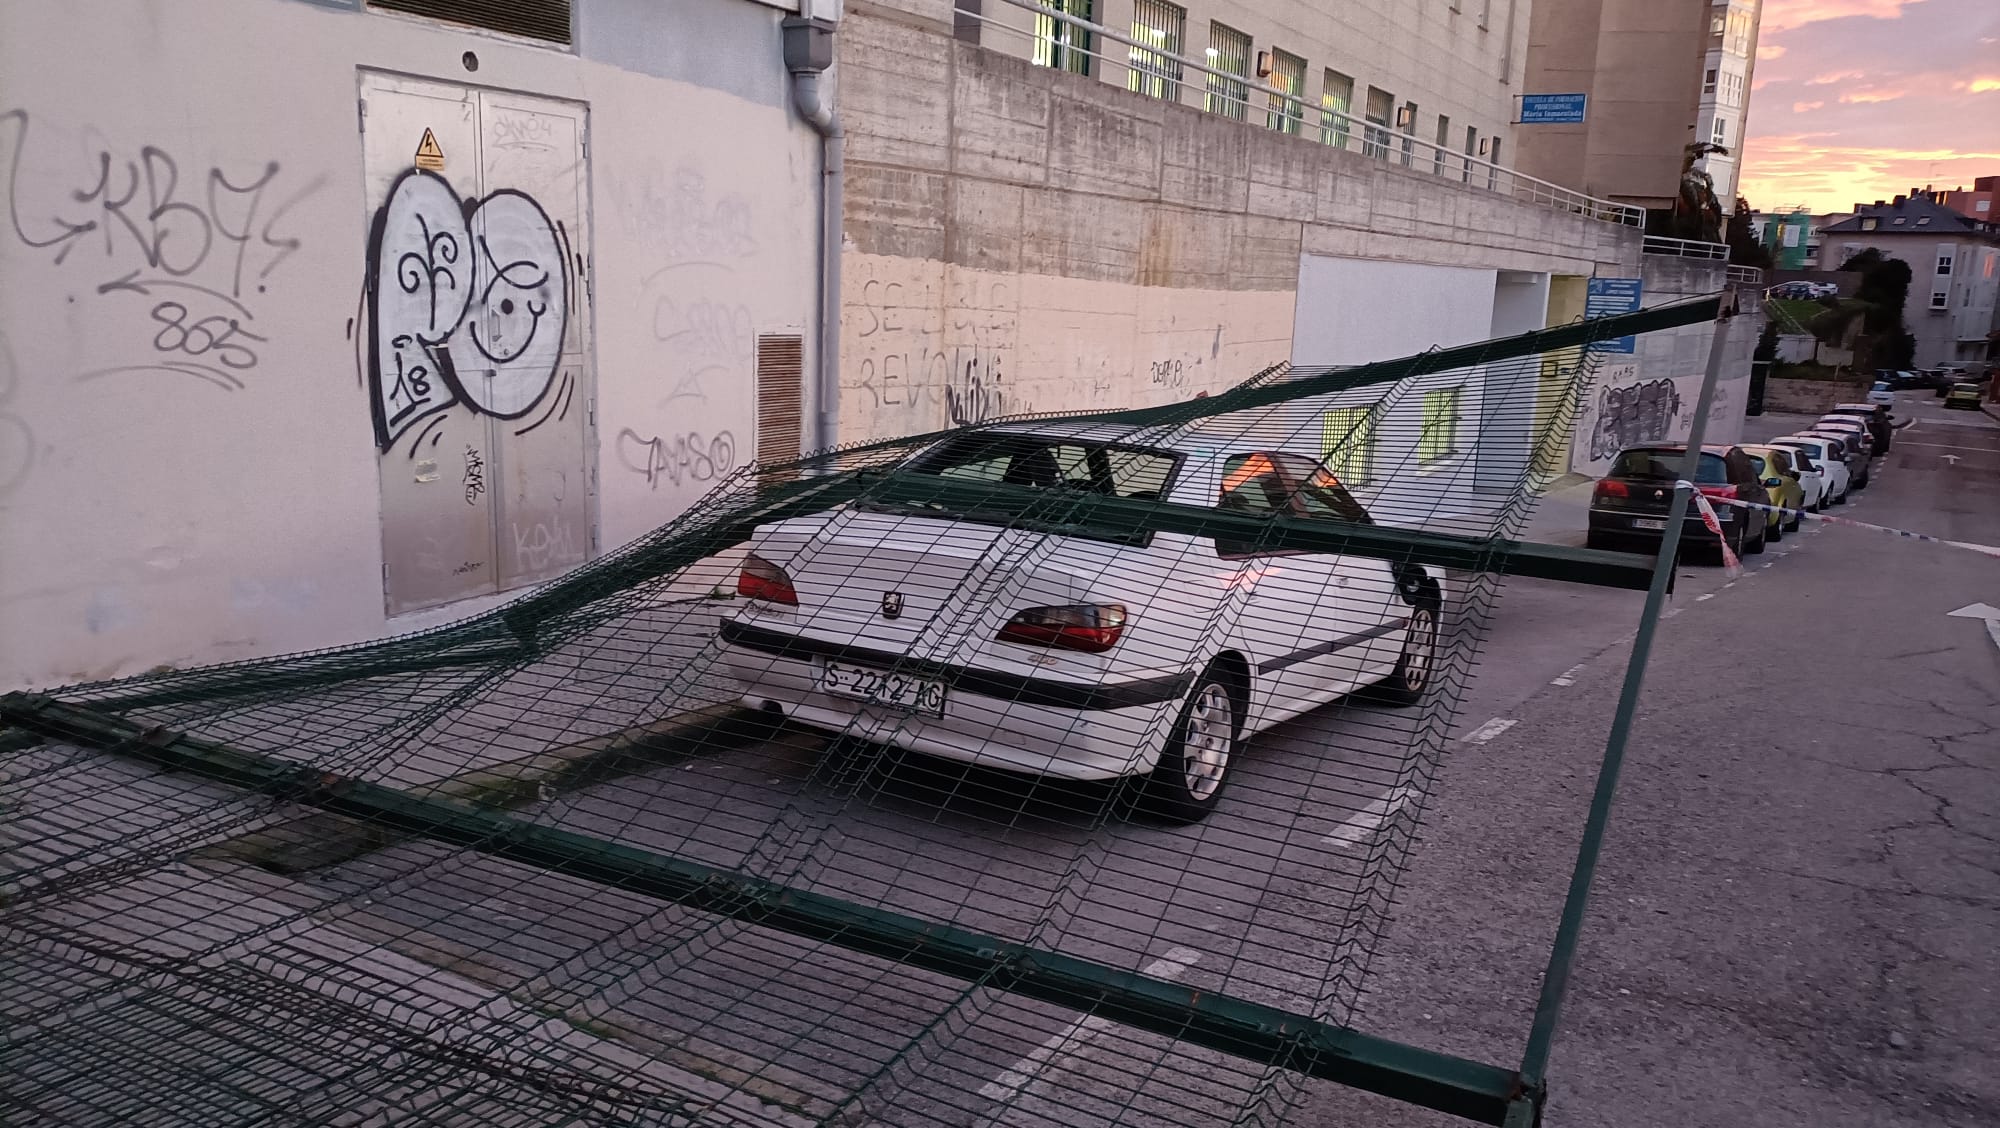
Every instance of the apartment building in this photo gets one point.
(1954, 266)
(1661, 75)
(1982, 202)
(1415, 82)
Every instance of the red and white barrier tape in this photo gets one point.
(1702, 500)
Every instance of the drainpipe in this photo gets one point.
(808, 55)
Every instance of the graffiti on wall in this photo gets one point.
(677, 458)
(927, 353)
(468, 303)
(179, 259)
(1632, 414)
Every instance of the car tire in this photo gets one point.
(1416, 666)
(1775, 533)
(1754, 548)
(1194, 768)
(1796, 519)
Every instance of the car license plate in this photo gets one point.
(1658, 523)
(883, 687)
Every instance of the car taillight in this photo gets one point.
(1735, 492)
(1090, 627)
(1609, 488)
(764, 580)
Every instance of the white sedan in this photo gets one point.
(1822, 458)
(1070, 651)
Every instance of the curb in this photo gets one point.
(316, 840)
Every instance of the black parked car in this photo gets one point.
(1880, 422)
(1628, 510)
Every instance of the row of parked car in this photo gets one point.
(1942, 379)
(1801, 473)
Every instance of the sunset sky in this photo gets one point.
(1864, 99)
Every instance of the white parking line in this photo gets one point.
(1071, 1038)
(1489, 730)
(1704, 598)
(1362, 824)
(1568, 677)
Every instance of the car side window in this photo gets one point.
(1252, 486)
(1319, 492)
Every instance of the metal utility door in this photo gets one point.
(476, 337)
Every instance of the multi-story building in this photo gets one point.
(1954, 267)
(1982, 202)
(1661, 75)
(1421, 78)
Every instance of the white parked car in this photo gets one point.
(1821, 455)
(1881, 393)
(1070, 651)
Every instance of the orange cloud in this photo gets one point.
(1866, 97)
(1981, 85)
(1828, 177)
(1802, 107)
(1832, 77)
(1768, 51)
(1779, 15)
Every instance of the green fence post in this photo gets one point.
(1562, 956)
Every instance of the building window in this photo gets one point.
(1336, 98)
(1944, 262)
(1982, 205)
(1408, 119)
(1708, 81)
(1443, 143)
(1381, 104)
(1720, 131)
(1439, 437)
(1349, 444)
(1717, 22)
(1156, 73)
(1493, 174)
(1064, 46)
(1870, 223)
(1229, 52)
(1288, 73)
(1940, 299)
(1471, 147)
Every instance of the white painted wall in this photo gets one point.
(157, 515)
(1353, 311)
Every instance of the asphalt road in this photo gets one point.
(1793, 922)
(1792, 926)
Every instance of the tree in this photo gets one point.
(1744, 248)
(1885, 286)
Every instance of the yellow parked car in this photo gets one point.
(1774, 468)
(1963, 395)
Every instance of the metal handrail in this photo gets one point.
(1386, 142)
(1745, 275)
(1685, 248)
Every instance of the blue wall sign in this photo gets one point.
(1552, 109)
(1603, 297)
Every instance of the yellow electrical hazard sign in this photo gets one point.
(428, 154)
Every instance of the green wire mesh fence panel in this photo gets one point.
(1060, 770)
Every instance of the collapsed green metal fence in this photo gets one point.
(550, 866)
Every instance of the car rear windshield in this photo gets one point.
(1047, 462)
(1645, 463)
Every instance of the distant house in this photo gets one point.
(1954, 270)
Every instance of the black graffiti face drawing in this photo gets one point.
(475, 296)
(515, 317)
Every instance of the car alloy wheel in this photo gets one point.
(1416, 666)
(1194, 767)
(1206, 740)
